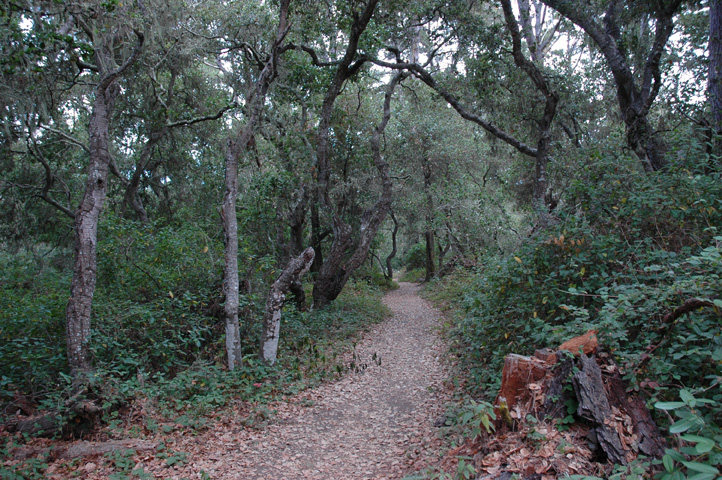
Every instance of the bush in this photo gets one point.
(630, 248)
(33, 294)
(416, 257)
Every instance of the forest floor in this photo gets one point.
(376, 422)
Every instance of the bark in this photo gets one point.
(594, 407)
(545, 122)
(230, 272)
(649, 439)
(714, 85)
(291, 275)
(337, 268)
(236, 147)
(316, 235)
(442, 252)
(635, 98)
(389, 274)
(82, 287)
(430, 265)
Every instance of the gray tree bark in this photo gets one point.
(291, 275)
(714, 81)
(635, 98)
(236, 147)
(82, 287)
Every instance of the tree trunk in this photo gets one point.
(291, 275)
(86, 233)
(635, 98)
(430, 265)
(316, 234)
(235, 149)
(442, 252)
(714, 85)
(334, 272)
(337, 269)
(82, 287)
(234, 353)
(389, 274)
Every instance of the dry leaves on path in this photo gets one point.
(376, 423)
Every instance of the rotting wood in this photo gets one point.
(649, 440)
(86, 449)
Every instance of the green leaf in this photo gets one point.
(702, 476)
(682, 425)
(668, 463)
(704, 444)
(669, 405)
(687, 397)
(701, 467)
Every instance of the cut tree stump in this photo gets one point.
(621, 425)
(594, 407)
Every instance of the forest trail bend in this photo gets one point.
(373, 424)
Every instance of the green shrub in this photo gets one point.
(415, 257)
(415, 275)
(630, 247)
(33, 294)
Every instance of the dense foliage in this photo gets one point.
(163, 161)
(629, 252)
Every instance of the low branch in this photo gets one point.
(216, 116)
(668, 322)
(312, 53)
(422, 74)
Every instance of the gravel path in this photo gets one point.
(373, 424)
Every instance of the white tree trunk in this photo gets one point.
(270, 334)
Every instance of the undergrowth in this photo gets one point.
(630, 249)
(156, 332)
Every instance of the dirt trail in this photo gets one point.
(374, 424)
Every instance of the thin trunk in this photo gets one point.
(291, 275)
(82, 287)
(714, 85)
(235, 149)
(430, 266)
(230, 272)
(316, 234)
(131, 197)
(389, 275)
(86, 233)
(442, 253)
